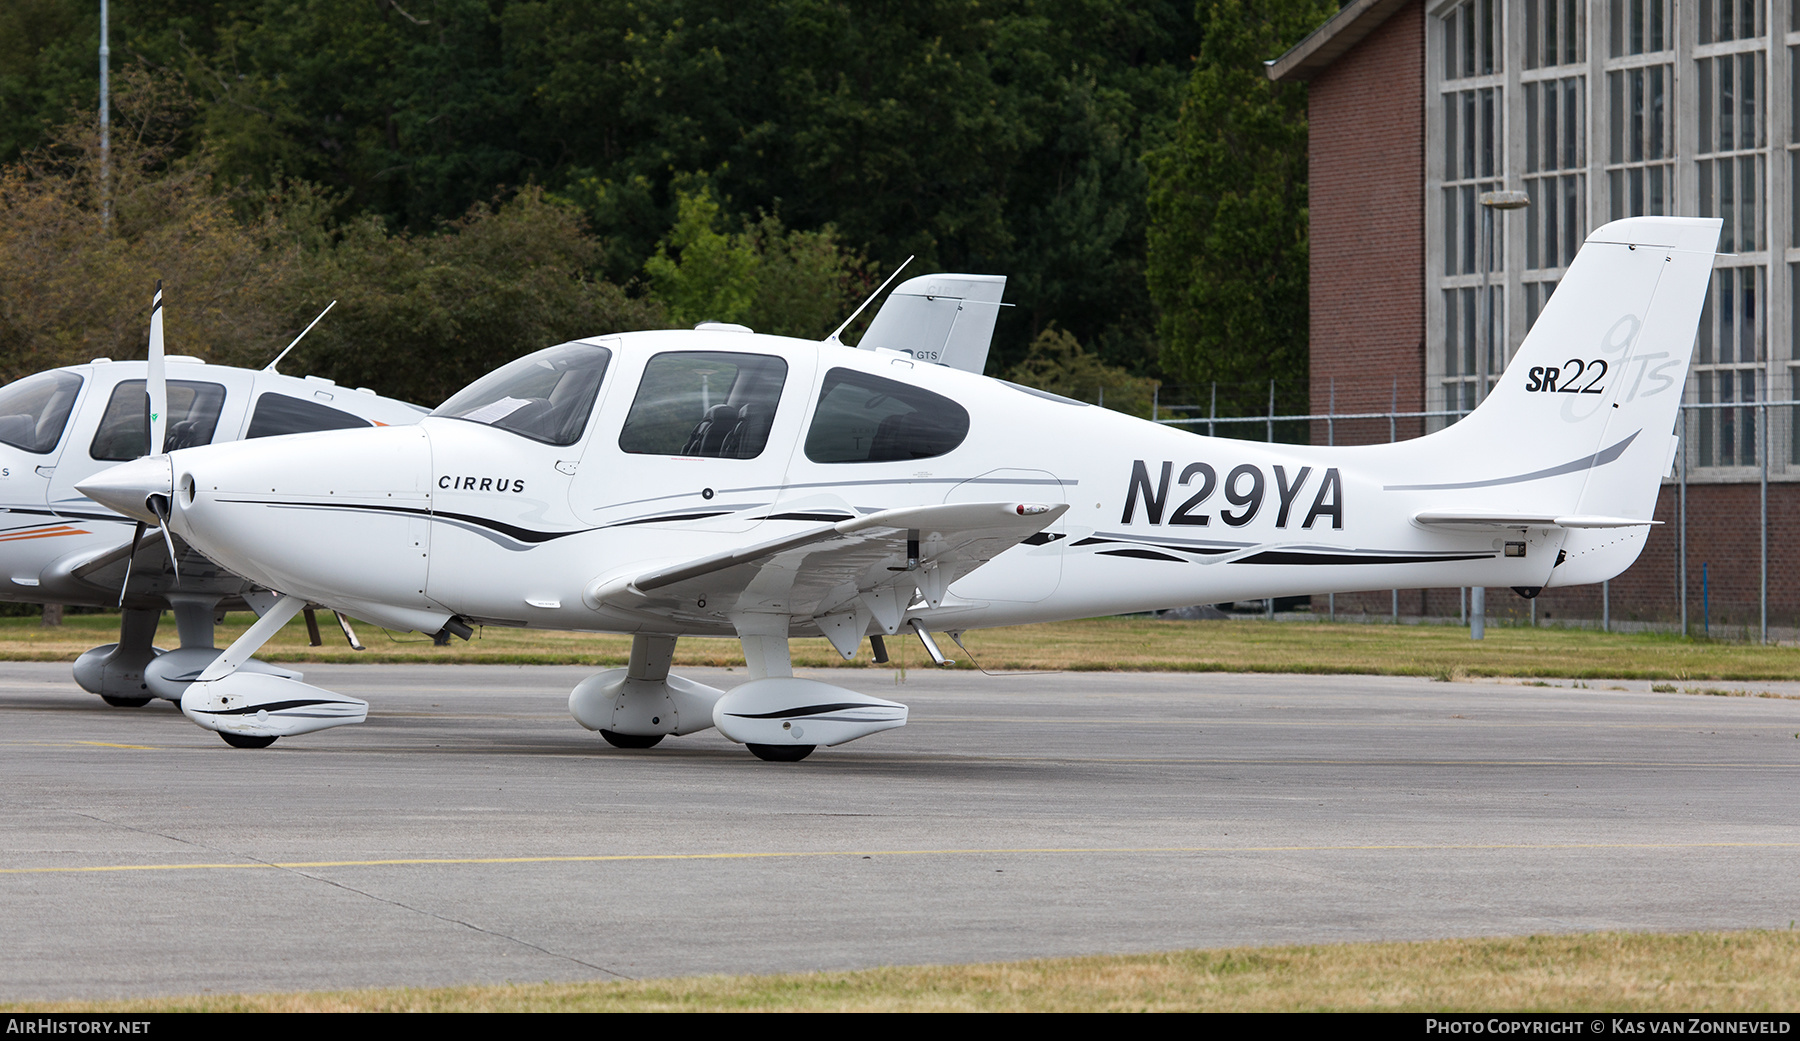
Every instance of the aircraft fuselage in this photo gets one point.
(458, 518)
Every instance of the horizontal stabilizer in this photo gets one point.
(1475, 519)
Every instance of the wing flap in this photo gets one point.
(1477, 520)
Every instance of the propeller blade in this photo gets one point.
(156, 386)
(160, 506)
(136, 534)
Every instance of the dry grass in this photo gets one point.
(1135, 644)
(1619, 972)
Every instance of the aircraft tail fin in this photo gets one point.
(947, 319)
(1582, 420)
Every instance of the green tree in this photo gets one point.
(1057, 363)
(1227, 242)
(419, 315)
(977, 136)
(79, 284)
(981, 136)
(997, 136)
(766, 276)
(422, 315)
(48, 63)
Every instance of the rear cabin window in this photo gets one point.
(867, 419)
(34, 410)
(705, 403)
(280, 414)
(124, 429)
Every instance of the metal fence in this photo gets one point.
(1706, 569)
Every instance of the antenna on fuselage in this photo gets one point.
(284, 351)
(835, 333)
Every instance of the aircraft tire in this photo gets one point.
(118, 702)
(246, 740)
(631, 740)
(781, 753)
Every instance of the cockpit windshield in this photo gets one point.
(546, 396)
(34, 410)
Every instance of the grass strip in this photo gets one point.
(1616, 972)
(1099, 644)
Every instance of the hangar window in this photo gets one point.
(705, 403)
(193, 415)
(280, 414)
(34, 410)
(547, 396)
(868, 419)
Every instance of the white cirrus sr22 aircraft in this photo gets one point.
(715, 482)
(62, 426)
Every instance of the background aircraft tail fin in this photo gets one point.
(943, 318)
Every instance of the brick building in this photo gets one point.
(1596, 109)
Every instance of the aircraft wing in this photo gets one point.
(78, 577)
(106, 558)
(869, 566)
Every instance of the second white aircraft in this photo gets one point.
(715, 482)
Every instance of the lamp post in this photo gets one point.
(105, 126)
(1490, 201)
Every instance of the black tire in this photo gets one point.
(781, 753)
(246, 740)
(631, 740)
(117, 702)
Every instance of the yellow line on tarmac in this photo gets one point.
(71, 744)
(807, 854)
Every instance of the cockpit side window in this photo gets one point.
(193, 416)
(867, 419)
(705, 403)
(34, 410)
(282, 414)
(547, 396)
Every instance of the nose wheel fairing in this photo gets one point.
(255, 704)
